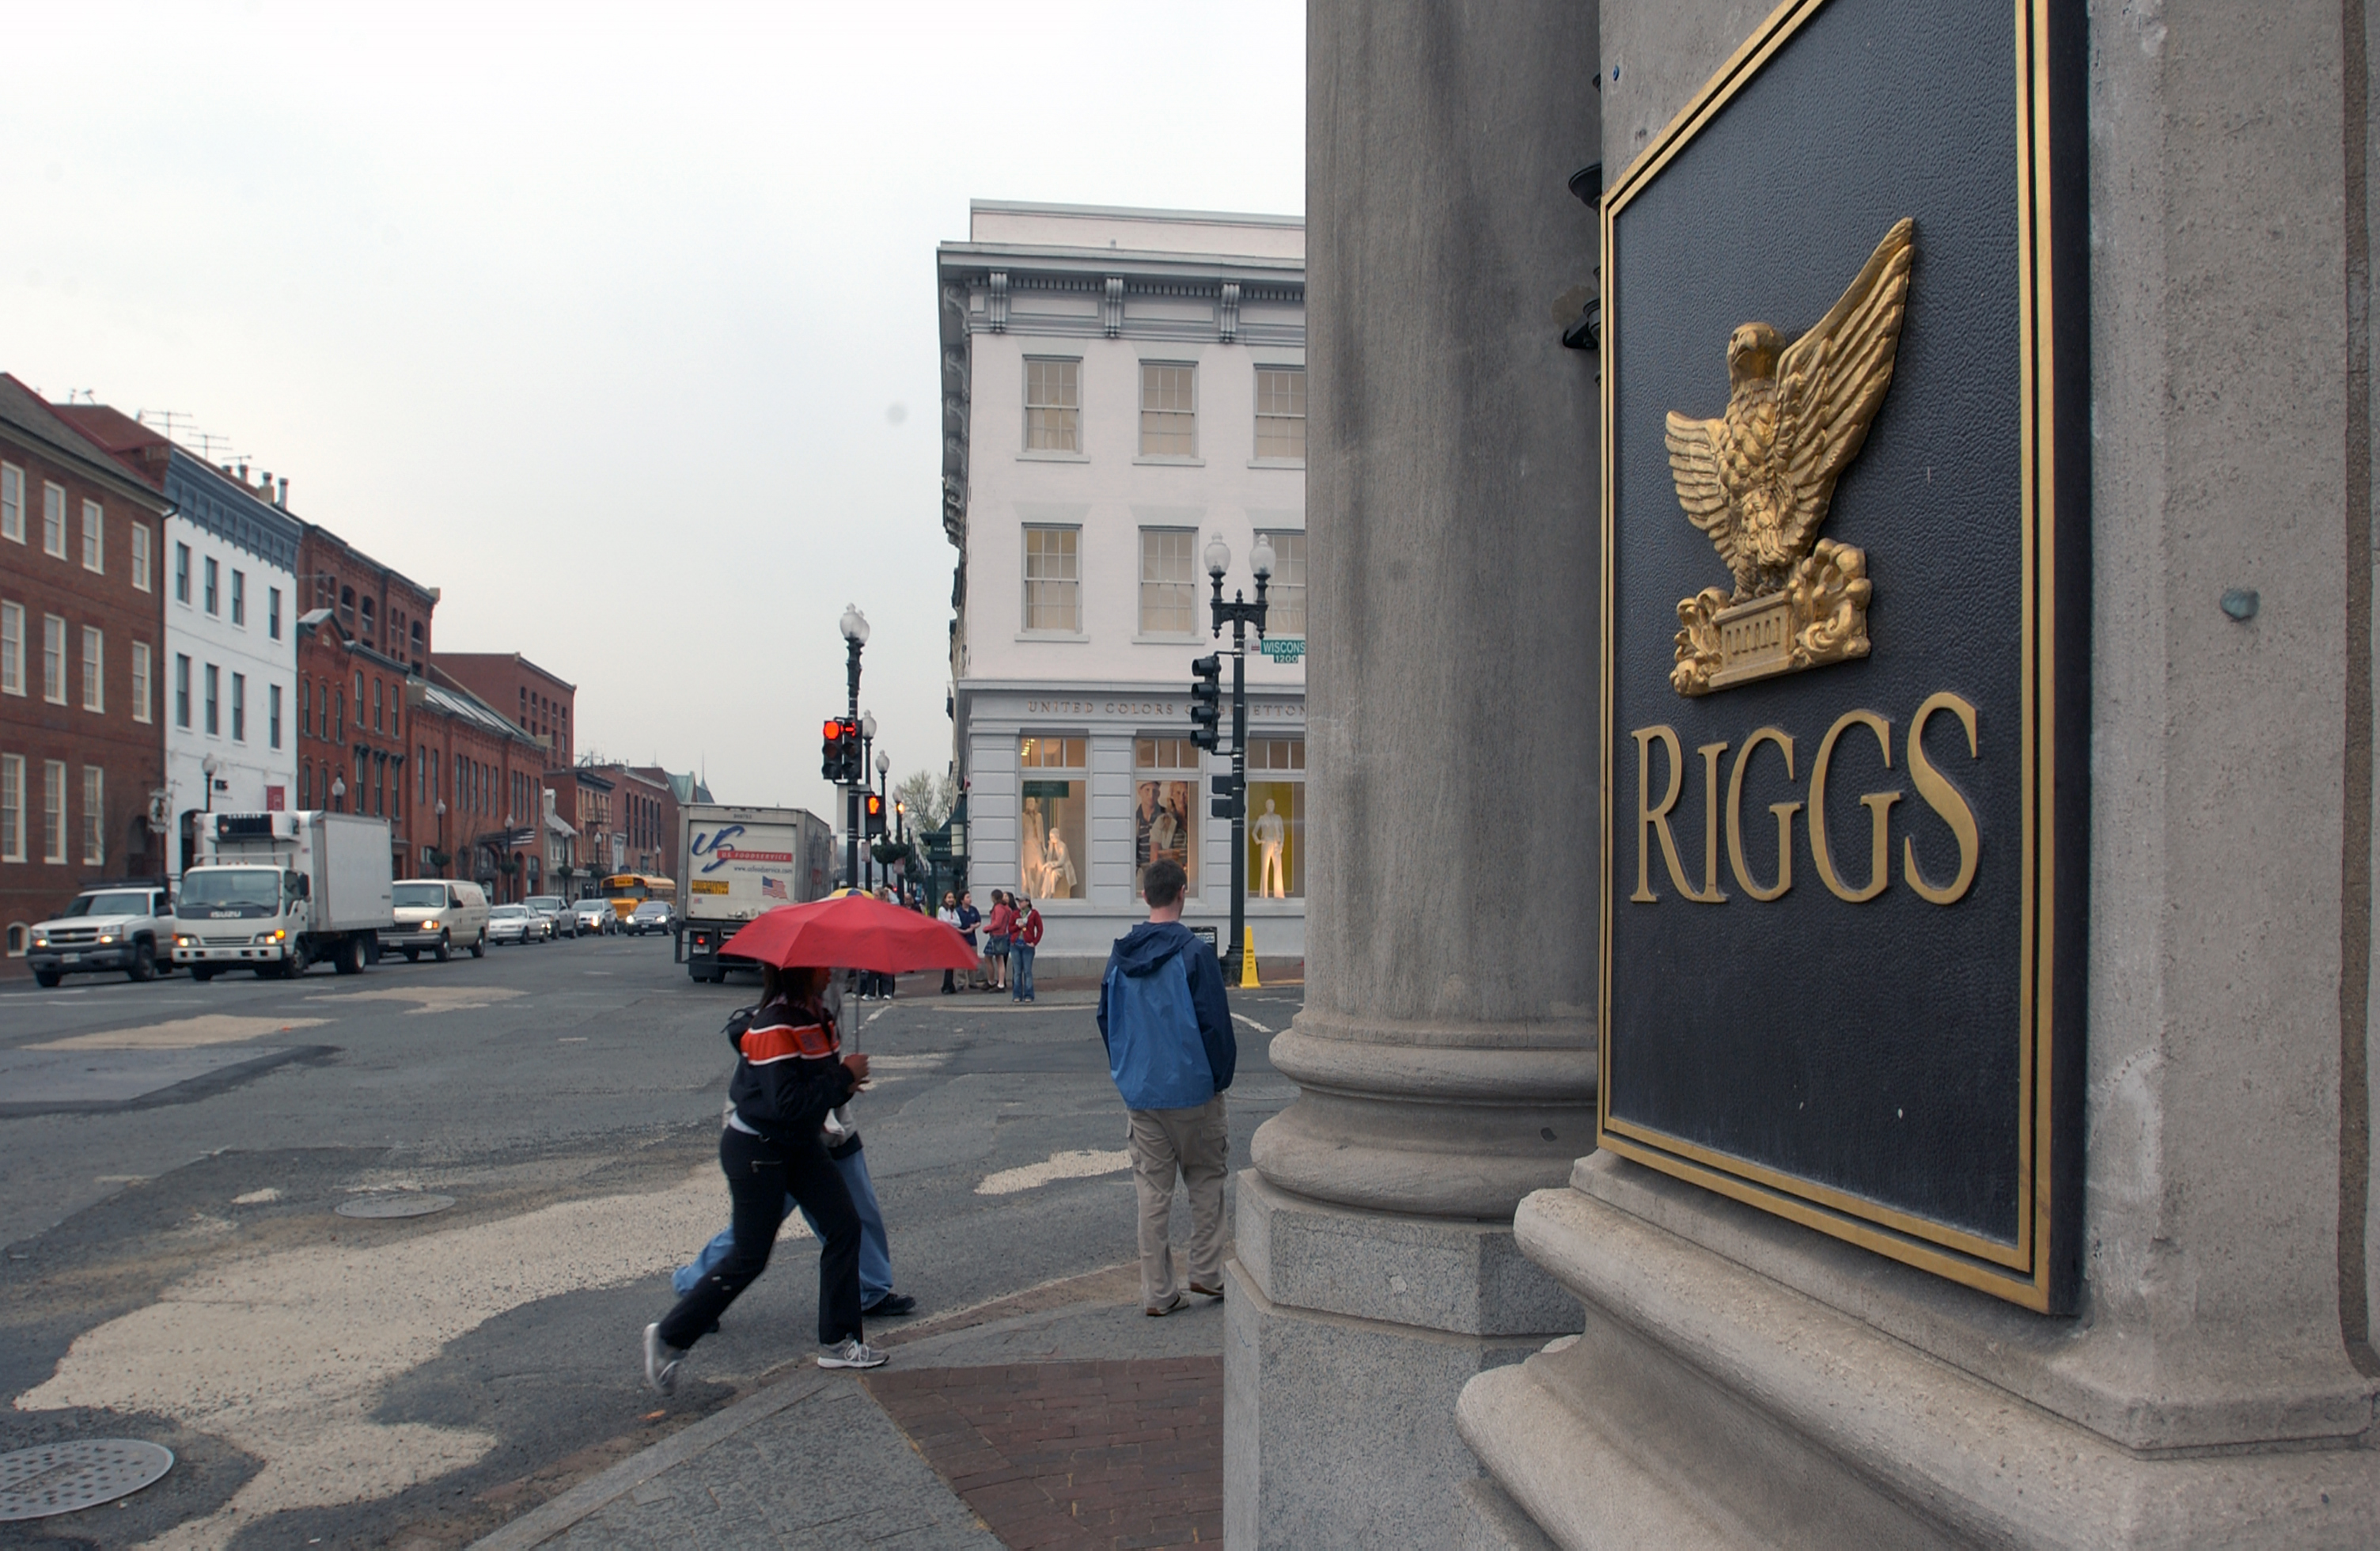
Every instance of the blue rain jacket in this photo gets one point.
(1165, 1019)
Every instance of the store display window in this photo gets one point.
(1165, 807)
(1053, 799)
(1276, 818)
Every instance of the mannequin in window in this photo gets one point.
(1271, 832)
(1031, 871)
(1058, 870)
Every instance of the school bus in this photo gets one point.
(628, 890)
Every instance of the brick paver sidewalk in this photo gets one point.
(1124, 1453)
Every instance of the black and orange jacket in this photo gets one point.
(789, 1072)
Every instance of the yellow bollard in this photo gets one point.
(1249, 981)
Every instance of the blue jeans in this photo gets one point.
(1020, 972)
(875, 1259)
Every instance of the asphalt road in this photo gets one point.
(175, 1270)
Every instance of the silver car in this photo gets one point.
(517, 924)
(595, 918)
(561, 920)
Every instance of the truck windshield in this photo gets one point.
(420, 896)
(125, 903)
(242, 890)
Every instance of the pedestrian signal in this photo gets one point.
(1206, 702)
(875, 814)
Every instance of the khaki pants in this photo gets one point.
(1196, 1142)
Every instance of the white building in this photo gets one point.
(1120, 386)
(230, 665)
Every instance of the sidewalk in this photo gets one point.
(1062, 1416)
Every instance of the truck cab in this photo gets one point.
(126, 926)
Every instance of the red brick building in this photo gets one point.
(377, 605)
(479, 794)
(643, 813)
(582, 799)
(539, 702)
(82, 744)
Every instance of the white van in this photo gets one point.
(436, 915)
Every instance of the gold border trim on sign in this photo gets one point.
(2020, 1272)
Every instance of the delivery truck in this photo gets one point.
(273, 892)
(738, 862)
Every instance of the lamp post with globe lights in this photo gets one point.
(1232, 804)
(854, 636)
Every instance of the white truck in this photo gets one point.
(273, 892)
(738, 862)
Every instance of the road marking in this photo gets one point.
(434, 998)
(1251, 1023)
(572, 1040)
(257, 1197)
(1060, 1166)
(181, 1034)
(285, 1356)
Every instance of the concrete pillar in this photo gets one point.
(1742, 1380)
(1446, 1053)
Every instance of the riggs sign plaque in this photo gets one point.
(1845, 646)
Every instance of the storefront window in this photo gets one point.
(1276, 818)
(1165, 800)
(1054, 797)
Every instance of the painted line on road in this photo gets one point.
(1251, 1023)
(1083, 1164)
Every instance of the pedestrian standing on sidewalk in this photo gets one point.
(970, 918)
(949, 916)
(1167, 1024)
(1025, 939)
(790, 1072)
(996, 938)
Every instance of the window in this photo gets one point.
(338, 725)
(12, 504)
(1053, 591)
(215, 587)
(1052, 800)
(368, 635)
(273, 715)
(1286, 594)
(239, 707)
(1276, 818)
(181, 573)
(1281, 412)
(272, 612)
(94, 816)
(12, 807)
(239, 597)
(12, 649)
(347, 606)
(1169, 410)
(1169, 591)
(54, 659)
(140, 671)
(94, 536)
(54, 811)
(54, 527)
(376, 727)
(214, 692)
(1053, 406)
(181, 690)
(1165, 805)
(94, 670)
(141, 556)
(421, 775)
(305, 707)
(305, 780)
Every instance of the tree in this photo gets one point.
(928, 798)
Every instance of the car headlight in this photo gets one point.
(271, 937)
(107, 937)
(184, 940)
(41, 942)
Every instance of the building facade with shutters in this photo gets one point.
(81, 627)
(1119, 387)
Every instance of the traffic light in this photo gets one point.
(1206, 702)
(840, 762)
(1226, 801)
(830, 761)
(875, 807)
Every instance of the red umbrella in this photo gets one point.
(851, 931)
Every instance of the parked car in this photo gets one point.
(559, 916)
(517, 924)
(435, 916)
(595, 916)
(653, 915)
(125, 925)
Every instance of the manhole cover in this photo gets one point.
(62, 1477)
(411, 1204)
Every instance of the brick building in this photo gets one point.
(582, 799)
(82, 750)
(479, 793)
(644, 813)
(379, 606)
(539, 702)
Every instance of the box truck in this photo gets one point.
(738, 862)
(273, 892)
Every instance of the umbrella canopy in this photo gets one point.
(850, 931)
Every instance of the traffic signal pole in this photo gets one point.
(851, 782)
(1239, 794)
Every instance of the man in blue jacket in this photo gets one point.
(1168, 1028)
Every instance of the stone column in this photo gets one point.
(1446, 1052)
(1742, 1380)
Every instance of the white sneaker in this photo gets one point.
(660, 1360)
(850, 1352)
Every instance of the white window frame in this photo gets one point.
(1026, 562)
(1188, 584)
(239, 707)
(1073, 408)
(12, 503)
(272, 612)
(53, 519)
(12, 807)
(94, 816)
(239, 597)
(94, 669)
(272, 715)
(94, 536)
(1278, 460)
(54, 659)
(211, 586)
(140, 557)
(54, 812)
(181, 573)
(212, 679)
(1142, 375)
(1280, 587)
(12, 649)
(182, 690)
(143, 667)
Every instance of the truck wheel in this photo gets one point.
(46, 978)
(202, 973)
(350, 958)
(479, 946)
(144, 962)
(444, 951)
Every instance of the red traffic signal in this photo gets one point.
(875, 806)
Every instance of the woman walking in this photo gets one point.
(1021, 944)
(789, 1072)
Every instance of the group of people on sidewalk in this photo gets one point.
(1011, 933)
(788, 1143)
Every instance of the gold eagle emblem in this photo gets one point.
(1759, 478)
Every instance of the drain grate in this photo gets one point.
(407, 1204)
(63, 1477)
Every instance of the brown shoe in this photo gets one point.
(1215, 1292)
(1158, 1311)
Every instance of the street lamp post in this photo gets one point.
(883, 763)
(855, 635)
(442, 836)
(1239, 613)
(208, 766)
(338, 793)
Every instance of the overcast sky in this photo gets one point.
(616, 322)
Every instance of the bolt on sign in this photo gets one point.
(1845, 655)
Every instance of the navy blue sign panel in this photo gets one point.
(1846, 648)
